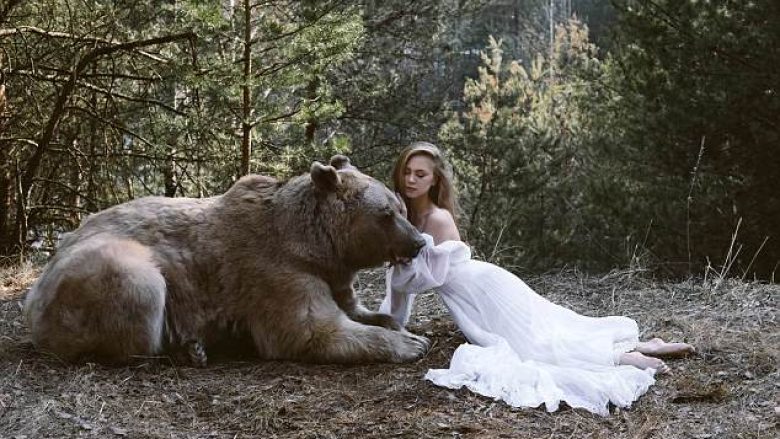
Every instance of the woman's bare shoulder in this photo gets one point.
(441, 226)
(441, 215)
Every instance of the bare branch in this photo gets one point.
(20, 140)
(131, 98)
(80, 38)
(51, 34)
(93, 87)
(65, 92)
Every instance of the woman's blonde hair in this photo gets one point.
(443, 192)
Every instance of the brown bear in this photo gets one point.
(275, 260)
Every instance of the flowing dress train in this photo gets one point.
(524, 349)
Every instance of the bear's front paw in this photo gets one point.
(414, 347)
(197, 353)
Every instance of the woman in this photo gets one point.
(526, 350)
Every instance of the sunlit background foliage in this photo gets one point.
(584, 133)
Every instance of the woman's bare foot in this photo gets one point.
(657, 347)
(642, 361)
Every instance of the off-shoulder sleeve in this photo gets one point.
(426, 271)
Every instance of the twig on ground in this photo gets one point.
(689, 201)
(766, 238)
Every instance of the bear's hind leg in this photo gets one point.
(104, 299)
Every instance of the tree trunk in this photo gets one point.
(6, 203)
(76, 179)
(5, 172)
(311, 124)
(246, 88)
(60, 108)
(169, 174)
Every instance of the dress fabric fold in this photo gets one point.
(522, 348)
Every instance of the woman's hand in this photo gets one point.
(402, 204)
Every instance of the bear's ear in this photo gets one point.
(340, 162)
(325, 178)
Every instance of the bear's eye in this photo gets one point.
(389, 213)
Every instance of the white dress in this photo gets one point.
(526, 350)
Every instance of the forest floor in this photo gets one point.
(729, 389)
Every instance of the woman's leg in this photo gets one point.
(642, 361)
(659, 348)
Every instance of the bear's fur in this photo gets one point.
(275, 260)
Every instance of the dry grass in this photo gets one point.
(14, 279)
(729, 390)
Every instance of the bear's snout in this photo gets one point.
(409, 249)
(419, 243)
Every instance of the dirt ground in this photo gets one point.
(729, 389)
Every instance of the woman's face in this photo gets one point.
(418, 176)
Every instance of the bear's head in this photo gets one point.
(368, 226)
